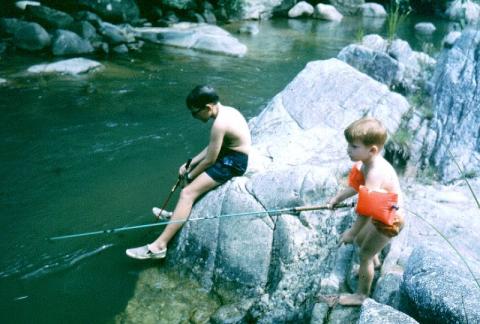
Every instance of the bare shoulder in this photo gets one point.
(230, 112)
(389, 177)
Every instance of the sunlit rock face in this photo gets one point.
(299, 158)
(453, 133)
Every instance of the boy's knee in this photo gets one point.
(187, 193)
(365, 255)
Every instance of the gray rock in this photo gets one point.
(425, 28)
(68, 43)
(461, 10)
(319, 313)
(3, 81)
(179, 4)
(347, 7)
(85, 30)
(113, 10)
(22, 5)
(31, 37)
(70, 66)
(439, 287)
(48, 17)
(378, 65)
(456, 114)
(375, 42)
(450, 39)
(209, 17)
(301, 9)
(395, 64)
(254, 9)
(195, 36)
(387, 289)
(372, 9)
(249, 28)
(8, 26)
(114, 34)
(327, 12)
(121, 49)
(375, 313)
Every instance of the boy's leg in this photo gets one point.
(372, 244)
(200, 185)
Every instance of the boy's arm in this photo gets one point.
(209, 155)
(342, 195)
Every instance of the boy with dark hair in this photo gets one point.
(225, 157)
(379, 208)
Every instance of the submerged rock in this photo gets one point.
(71, 66)
(195, 36)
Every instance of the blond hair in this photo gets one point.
(368, 130)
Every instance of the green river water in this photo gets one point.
(98, 151)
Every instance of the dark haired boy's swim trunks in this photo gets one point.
(229, 164)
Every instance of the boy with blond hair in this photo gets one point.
(379, 208)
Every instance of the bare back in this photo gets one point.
(236, 134)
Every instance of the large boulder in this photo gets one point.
(66, 42)
(31, 37)
(452, 135)
(48, 17)
(202, 37)
(379, 65)
(289, 258)
(440, 288)
(395, 64)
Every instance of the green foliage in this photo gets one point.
(359, 35)
(396, 16)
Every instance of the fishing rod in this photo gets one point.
(175, 186)
(275, 212)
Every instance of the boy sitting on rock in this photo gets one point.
(379, 208)
(225, 157)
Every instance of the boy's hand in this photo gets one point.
(346, 238)
(331, 203)
(183, 170)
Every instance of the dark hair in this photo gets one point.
(369, 131)
(200, 96)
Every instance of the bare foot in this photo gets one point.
(351, 299)
(330, 300)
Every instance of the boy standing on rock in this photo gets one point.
(379, 208)
(225, 157)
